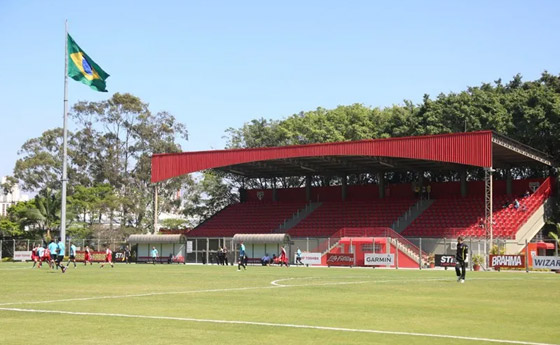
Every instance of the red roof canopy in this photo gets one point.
(478, 149)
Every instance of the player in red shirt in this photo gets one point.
(46, 257)
(283, 257)
(108, 257)
(87, 256)
(35, 255)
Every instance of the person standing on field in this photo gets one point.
(108, 257)
(298, 257)
(242, 256)
(225, 250)
(127, 255)
(72, 257)
(460, 260)
(45, 255)
(283, 257)
(87, 256)
(155, 254)
(60, 256)
(34, 256)
(53, 251)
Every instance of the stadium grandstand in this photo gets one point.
(487, 209)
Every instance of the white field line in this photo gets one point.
(270, 324)
(275, 285)
(141, 295)
(277, 282)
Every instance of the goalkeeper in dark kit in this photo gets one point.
(460, 260)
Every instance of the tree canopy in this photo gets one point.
(109, 165)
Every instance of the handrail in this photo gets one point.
(376, 232)
(544, 188)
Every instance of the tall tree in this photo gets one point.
(207, 195)
(113, 144)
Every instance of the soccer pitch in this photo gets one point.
(194, 304)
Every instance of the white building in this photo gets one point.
(7, 200)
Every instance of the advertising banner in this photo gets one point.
(119, 256)
(95, 256)
(340, 259)
(507, 261)
(550, 262)
(379, 259)
(22, 255)
(310, 258)
(445, 260)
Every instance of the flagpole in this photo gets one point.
(65, 149)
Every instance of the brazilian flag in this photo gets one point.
(82, 68)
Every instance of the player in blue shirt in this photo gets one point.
(53, 248)
(242, 257)
(155, 254)
(298, 257)
(72, 256)
(60, 255)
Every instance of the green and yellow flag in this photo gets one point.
(82, 68)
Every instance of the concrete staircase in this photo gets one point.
(297, 217)
(528, 230)
(408, 251)
(411, 214)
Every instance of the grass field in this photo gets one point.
(193, 304)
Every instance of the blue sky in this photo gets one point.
(219, 64)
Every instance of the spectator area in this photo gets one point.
(252, 217)
(456, 216)
(334, 215)
(449, 215)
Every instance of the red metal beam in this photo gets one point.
(474, 148)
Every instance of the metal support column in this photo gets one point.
(397, 254)
(488, 196)
(155, 208)
(207, 251)
(420, 253)
(471, 254)
(526, 256)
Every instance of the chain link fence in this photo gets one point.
(420, 253)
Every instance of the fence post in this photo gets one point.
(207, 250)
(1, 245)
(387, 246)
(196, 250)
(372, 250)
(397, 254)
(420, 254)
(14, 247)
(485, 254)
(526, 256)
(352, 251)
(470, 258)
(232, 246)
